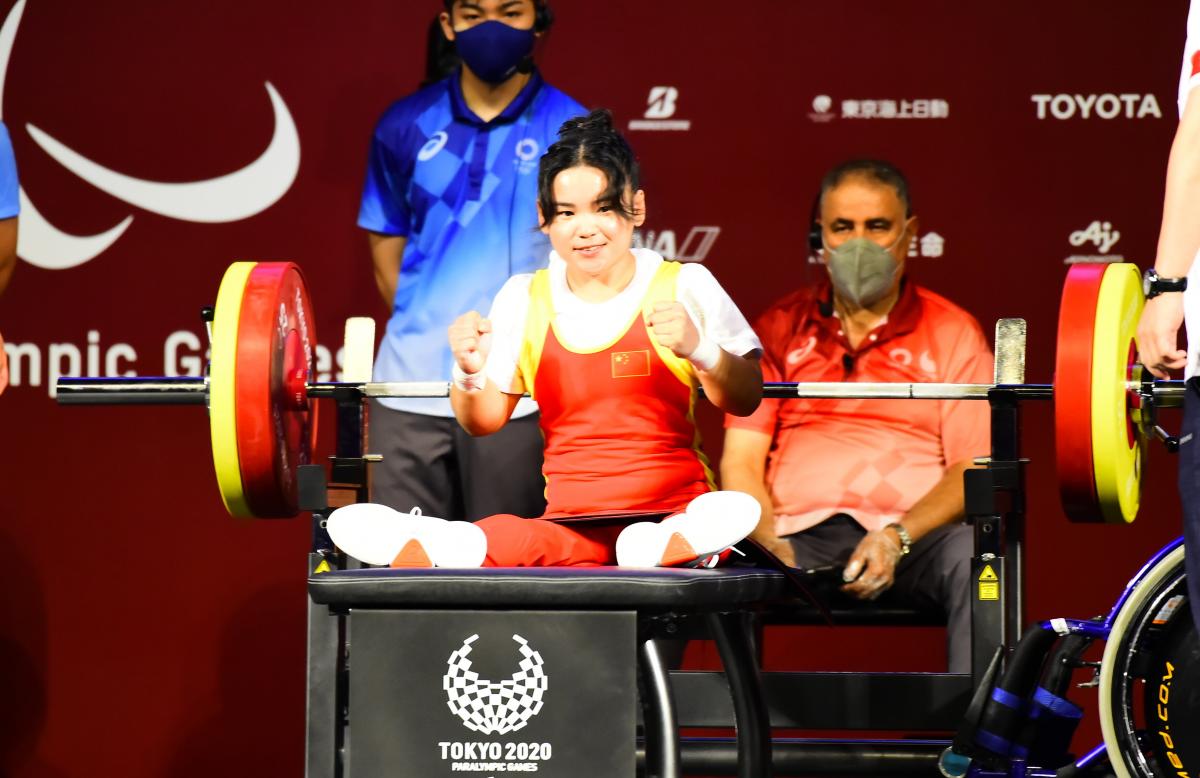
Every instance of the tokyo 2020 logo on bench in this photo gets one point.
(495, 707)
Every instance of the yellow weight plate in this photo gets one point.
(222, 388)
(1117, 448)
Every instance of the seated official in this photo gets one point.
(874, 484)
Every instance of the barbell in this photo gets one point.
(262, 413)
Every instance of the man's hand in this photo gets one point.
(673, 328)
(470, 341)
(1157, 332)
(872, 567)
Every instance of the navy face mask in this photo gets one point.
(493, 50)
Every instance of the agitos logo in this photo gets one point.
(496, 707)
(233, 196)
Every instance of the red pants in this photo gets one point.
(517, 542)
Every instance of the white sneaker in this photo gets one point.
(377, 535)
(712, 523)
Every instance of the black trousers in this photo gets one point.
(934, 575)
(1189, 492)
(433, 463)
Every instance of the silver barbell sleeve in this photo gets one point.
(161, 390)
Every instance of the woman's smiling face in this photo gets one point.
(592, 236)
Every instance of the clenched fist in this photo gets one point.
(470, 341)
(673, 328)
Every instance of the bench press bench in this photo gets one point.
(382, 643)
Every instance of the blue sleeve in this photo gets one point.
(10, 203)
(384, 207)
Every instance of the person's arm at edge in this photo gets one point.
(734, 384)
(8, 250)
(387, 251)
(484, 411)
(943, 504)
(1178, 242)
(743, 468)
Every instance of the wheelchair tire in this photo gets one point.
(1150, 679)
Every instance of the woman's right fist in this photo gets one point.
(470, 341)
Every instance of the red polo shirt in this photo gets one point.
(871, 459)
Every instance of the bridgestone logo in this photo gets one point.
(491, 707)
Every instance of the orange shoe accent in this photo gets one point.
(678, 552)
(412, 555)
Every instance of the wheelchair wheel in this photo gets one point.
(1150, 679)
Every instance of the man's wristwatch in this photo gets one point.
(1154, 285)
(905, 538)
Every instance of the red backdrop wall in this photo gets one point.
(145, 633)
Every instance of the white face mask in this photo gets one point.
(861, 270)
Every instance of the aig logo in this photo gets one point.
(660, 107)
(1105, 106)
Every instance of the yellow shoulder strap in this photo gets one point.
(662, 288)
(537, 323)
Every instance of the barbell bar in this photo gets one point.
(184, 390)
(262, 414)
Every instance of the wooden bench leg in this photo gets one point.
(734, 636)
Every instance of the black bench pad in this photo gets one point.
(548, 587)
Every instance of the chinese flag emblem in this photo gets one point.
(630, 364)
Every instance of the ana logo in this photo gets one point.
(436, 143)
(495, 707)
(695, 246)
(1099, 234)
(821, 105)
(660, 107)
(226, 198)
(1105, 106)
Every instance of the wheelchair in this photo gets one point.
(1149, 690)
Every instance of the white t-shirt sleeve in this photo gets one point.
(509, 311)
(714, 312)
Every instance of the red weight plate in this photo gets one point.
(1073, 392)
(276, 422)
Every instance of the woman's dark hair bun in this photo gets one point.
(599, 120)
